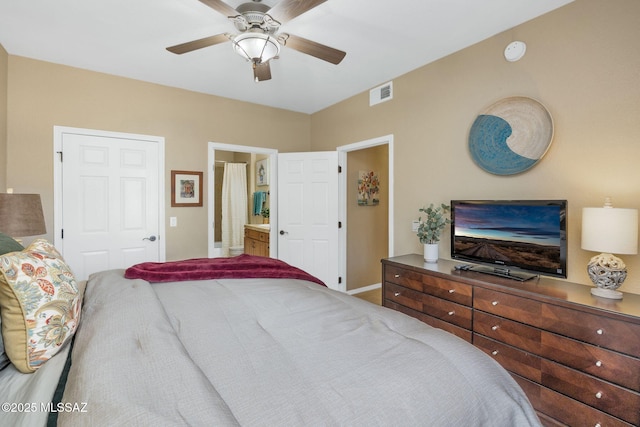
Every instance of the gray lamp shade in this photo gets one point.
(21, 215)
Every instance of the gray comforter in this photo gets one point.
(272, 352)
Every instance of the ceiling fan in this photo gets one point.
(257, 40)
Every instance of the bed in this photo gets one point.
(172, 344)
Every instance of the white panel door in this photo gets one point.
(308, 213)
(110, 206)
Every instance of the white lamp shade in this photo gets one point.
(254, 46)
(610, 230)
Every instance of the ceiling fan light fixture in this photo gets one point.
(256, 47)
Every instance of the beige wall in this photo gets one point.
(42, 95)
(367, 226)
(4, 60)
(581, 62)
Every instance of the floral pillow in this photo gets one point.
(4, 359)
(40, 304)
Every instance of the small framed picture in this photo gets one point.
(262, 172)
(186, 188)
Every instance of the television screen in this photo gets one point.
(527, 235)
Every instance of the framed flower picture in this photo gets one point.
(368, 188)
(186, 189)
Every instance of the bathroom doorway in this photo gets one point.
(256, 185)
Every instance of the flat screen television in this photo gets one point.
(519, 239)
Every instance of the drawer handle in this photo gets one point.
(599, 363)
(451, 313)
(396, 294)
(599, 395)
(396, 275)
(494, 303)
(495, 327)
(494, 352)
(600, 332)
(451, 291)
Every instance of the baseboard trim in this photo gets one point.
(364, 289)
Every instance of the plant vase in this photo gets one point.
(431, 252)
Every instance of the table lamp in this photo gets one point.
(609, 230)
(21, 215)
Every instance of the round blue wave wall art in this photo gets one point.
(511, 136)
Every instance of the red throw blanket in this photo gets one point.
(238, 267)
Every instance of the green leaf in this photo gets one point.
(430, 229)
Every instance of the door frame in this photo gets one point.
(343, 151)
(58, 214)
(273, 191)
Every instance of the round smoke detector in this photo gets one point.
(515, 51)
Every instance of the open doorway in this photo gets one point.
(220, 154)
(367, 235)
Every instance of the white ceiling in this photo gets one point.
(383, 40)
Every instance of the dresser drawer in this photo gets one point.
(565, 409)
(507, 331)
(442, 288)
(439, 308)
(465, 334)
(598, 330)
(406, 278)
(599, 362)
(403, 296)
(512, 359)
(448, 311)
(602, 363)
(614, 400)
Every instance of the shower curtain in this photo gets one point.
(234, 205)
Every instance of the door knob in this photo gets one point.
(282, 232)
(150, 238)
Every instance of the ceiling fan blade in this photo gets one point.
(179, 49)
(286, 10)
(261, 72)
(312, 48)
(220, 6)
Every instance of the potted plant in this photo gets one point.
(265, 215)
(430, 229)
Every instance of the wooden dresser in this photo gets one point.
(576, 356)
(256, 240)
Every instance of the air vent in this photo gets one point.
(381, 94)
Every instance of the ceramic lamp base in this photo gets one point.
(607, 272)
